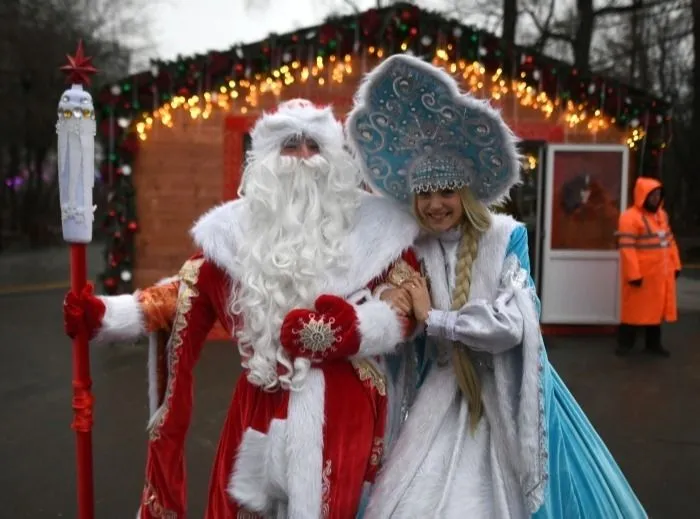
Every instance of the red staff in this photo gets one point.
(76, 175)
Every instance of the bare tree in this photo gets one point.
(510, 20)
(576, 23)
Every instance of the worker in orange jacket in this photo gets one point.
(650, 266)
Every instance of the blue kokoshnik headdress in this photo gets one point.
(414, 131)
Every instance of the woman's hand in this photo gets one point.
(417, 286)
(399, 299)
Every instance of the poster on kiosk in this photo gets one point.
(585, 192)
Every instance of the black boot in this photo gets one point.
(652, 343)
(625, 339)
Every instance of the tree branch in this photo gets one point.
(625, 9)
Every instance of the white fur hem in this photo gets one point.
(305, 448)
(248, 484)
(259, 471)
(380, 328)
(153, 398)
(123, 319)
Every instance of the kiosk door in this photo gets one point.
(585, 191)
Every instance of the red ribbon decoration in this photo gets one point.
(83, 401)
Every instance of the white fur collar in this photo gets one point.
(381, 231)
(485, 273)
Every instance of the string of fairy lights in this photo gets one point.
(245, 95)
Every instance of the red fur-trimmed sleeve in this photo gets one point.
(335, 328)
(128, 317)
(164, 492)
(378, 323)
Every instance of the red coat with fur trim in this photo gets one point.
(301, 454)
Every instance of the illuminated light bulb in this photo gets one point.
(404, 47)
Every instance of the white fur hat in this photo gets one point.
(296, 117)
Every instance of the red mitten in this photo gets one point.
(82, 312)
(326, 333)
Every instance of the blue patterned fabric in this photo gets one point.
(585, 482)
(414, 131)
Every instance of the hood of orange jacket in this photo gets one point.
(642, 188)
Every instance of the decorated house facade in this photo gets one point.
(176, 137)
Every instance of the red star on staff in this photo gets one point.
(79, 67)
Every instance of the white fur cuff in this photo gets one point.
(380, 328)
(123, 319)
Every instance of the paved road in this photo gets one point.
(646, 410)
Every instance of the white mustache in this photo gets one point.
(316, 163)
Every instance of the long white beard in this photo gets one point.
(299, 213)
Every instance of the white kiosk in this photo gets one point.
(585, 189)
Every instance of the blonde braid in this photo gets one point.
(476, 221)
(467, 377)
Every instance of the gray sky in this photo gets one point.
(191, 26)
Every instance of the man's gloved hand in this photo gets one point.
(327, 332)
(636, 282)
(677, 273)
(83, 311)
